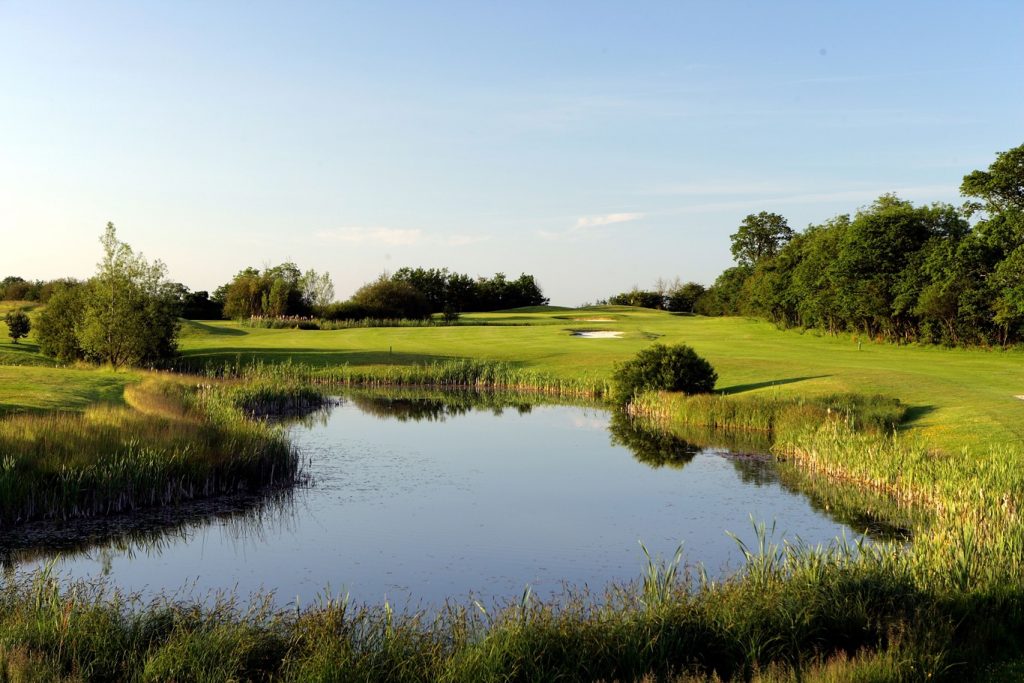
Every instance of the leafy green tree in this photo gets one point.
(664, 368)
(275, 300)
(683, 298)
(58, 324)
(725, 296)
(317, 289)
(638, 297)
(18, 325)
(1008, 280)
(386, 298)
(130, 314)
(432, 283)
(1000, 189)
(760, 236)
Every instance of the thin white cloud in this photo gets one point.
(359, 234)
(586, 222)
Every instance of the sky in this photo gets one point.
(595, 145)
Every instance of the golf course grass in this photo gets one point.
(945, 605)
(958, 398)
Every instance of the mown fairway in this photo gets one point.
(959, 398)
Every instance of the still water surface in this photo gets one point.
(418, 500)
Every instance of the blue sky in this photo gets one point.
(596, 145)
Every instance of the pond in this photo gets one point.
(417, 499)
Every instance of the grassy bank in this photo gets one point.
(453, 374)
(956, 397)
(942, 607)
(172, 441)
(792, 614)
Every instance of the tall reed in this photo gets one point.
(173, 442)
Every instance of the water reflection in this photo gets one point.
(434, 494)
(245, 518)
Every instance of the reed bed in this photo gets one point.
(172, 442)
(454, 374)
(778, 416)
(790, 612)
(941, 608)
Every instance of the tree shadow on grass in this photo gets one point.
(316, 357)
(914, 417)
(739, 388)
(213, 330)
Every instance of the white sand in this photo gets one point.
(1021, 397)
(594, 320)
(598, 334)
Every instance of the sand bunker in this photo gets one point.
(598, 334)
(594, 320)
(1021, 397)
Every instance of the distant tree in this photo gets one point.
(387, 298)
(638, 297)
(58, 324)
(759, 236)
(432, 283)
(275, 300)
(725, 296)
(317, 289)
(18, 325)
(276, 291)
(198, 305)
(683, 298)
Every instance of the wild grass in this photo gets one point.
(949, 605)
(171, 442)
(775, 415)
(453, 374)
(792, 613)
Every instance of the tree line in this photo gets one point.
(891, 271)
(408, 293)
(128, 313)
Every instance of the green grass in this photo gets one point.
(943, 606)
(956, 397)
(174, 441)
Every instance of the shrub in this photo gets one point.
(18, 325)
(664, 368)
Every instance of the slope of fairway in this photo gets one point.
(958, 397)
(28, 389)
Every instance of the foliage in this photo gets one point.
(282, 290)
(58, 325)
(14, 288)
(197, 305)
(389, 298)
(453, 293)
(638, 297)
(760, 236)
(124, 315)
(18, 325)
(684, 297)
(664, 368)
(893, 270)
(317, 288)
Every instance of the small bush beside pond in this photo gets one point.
(664, 368)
